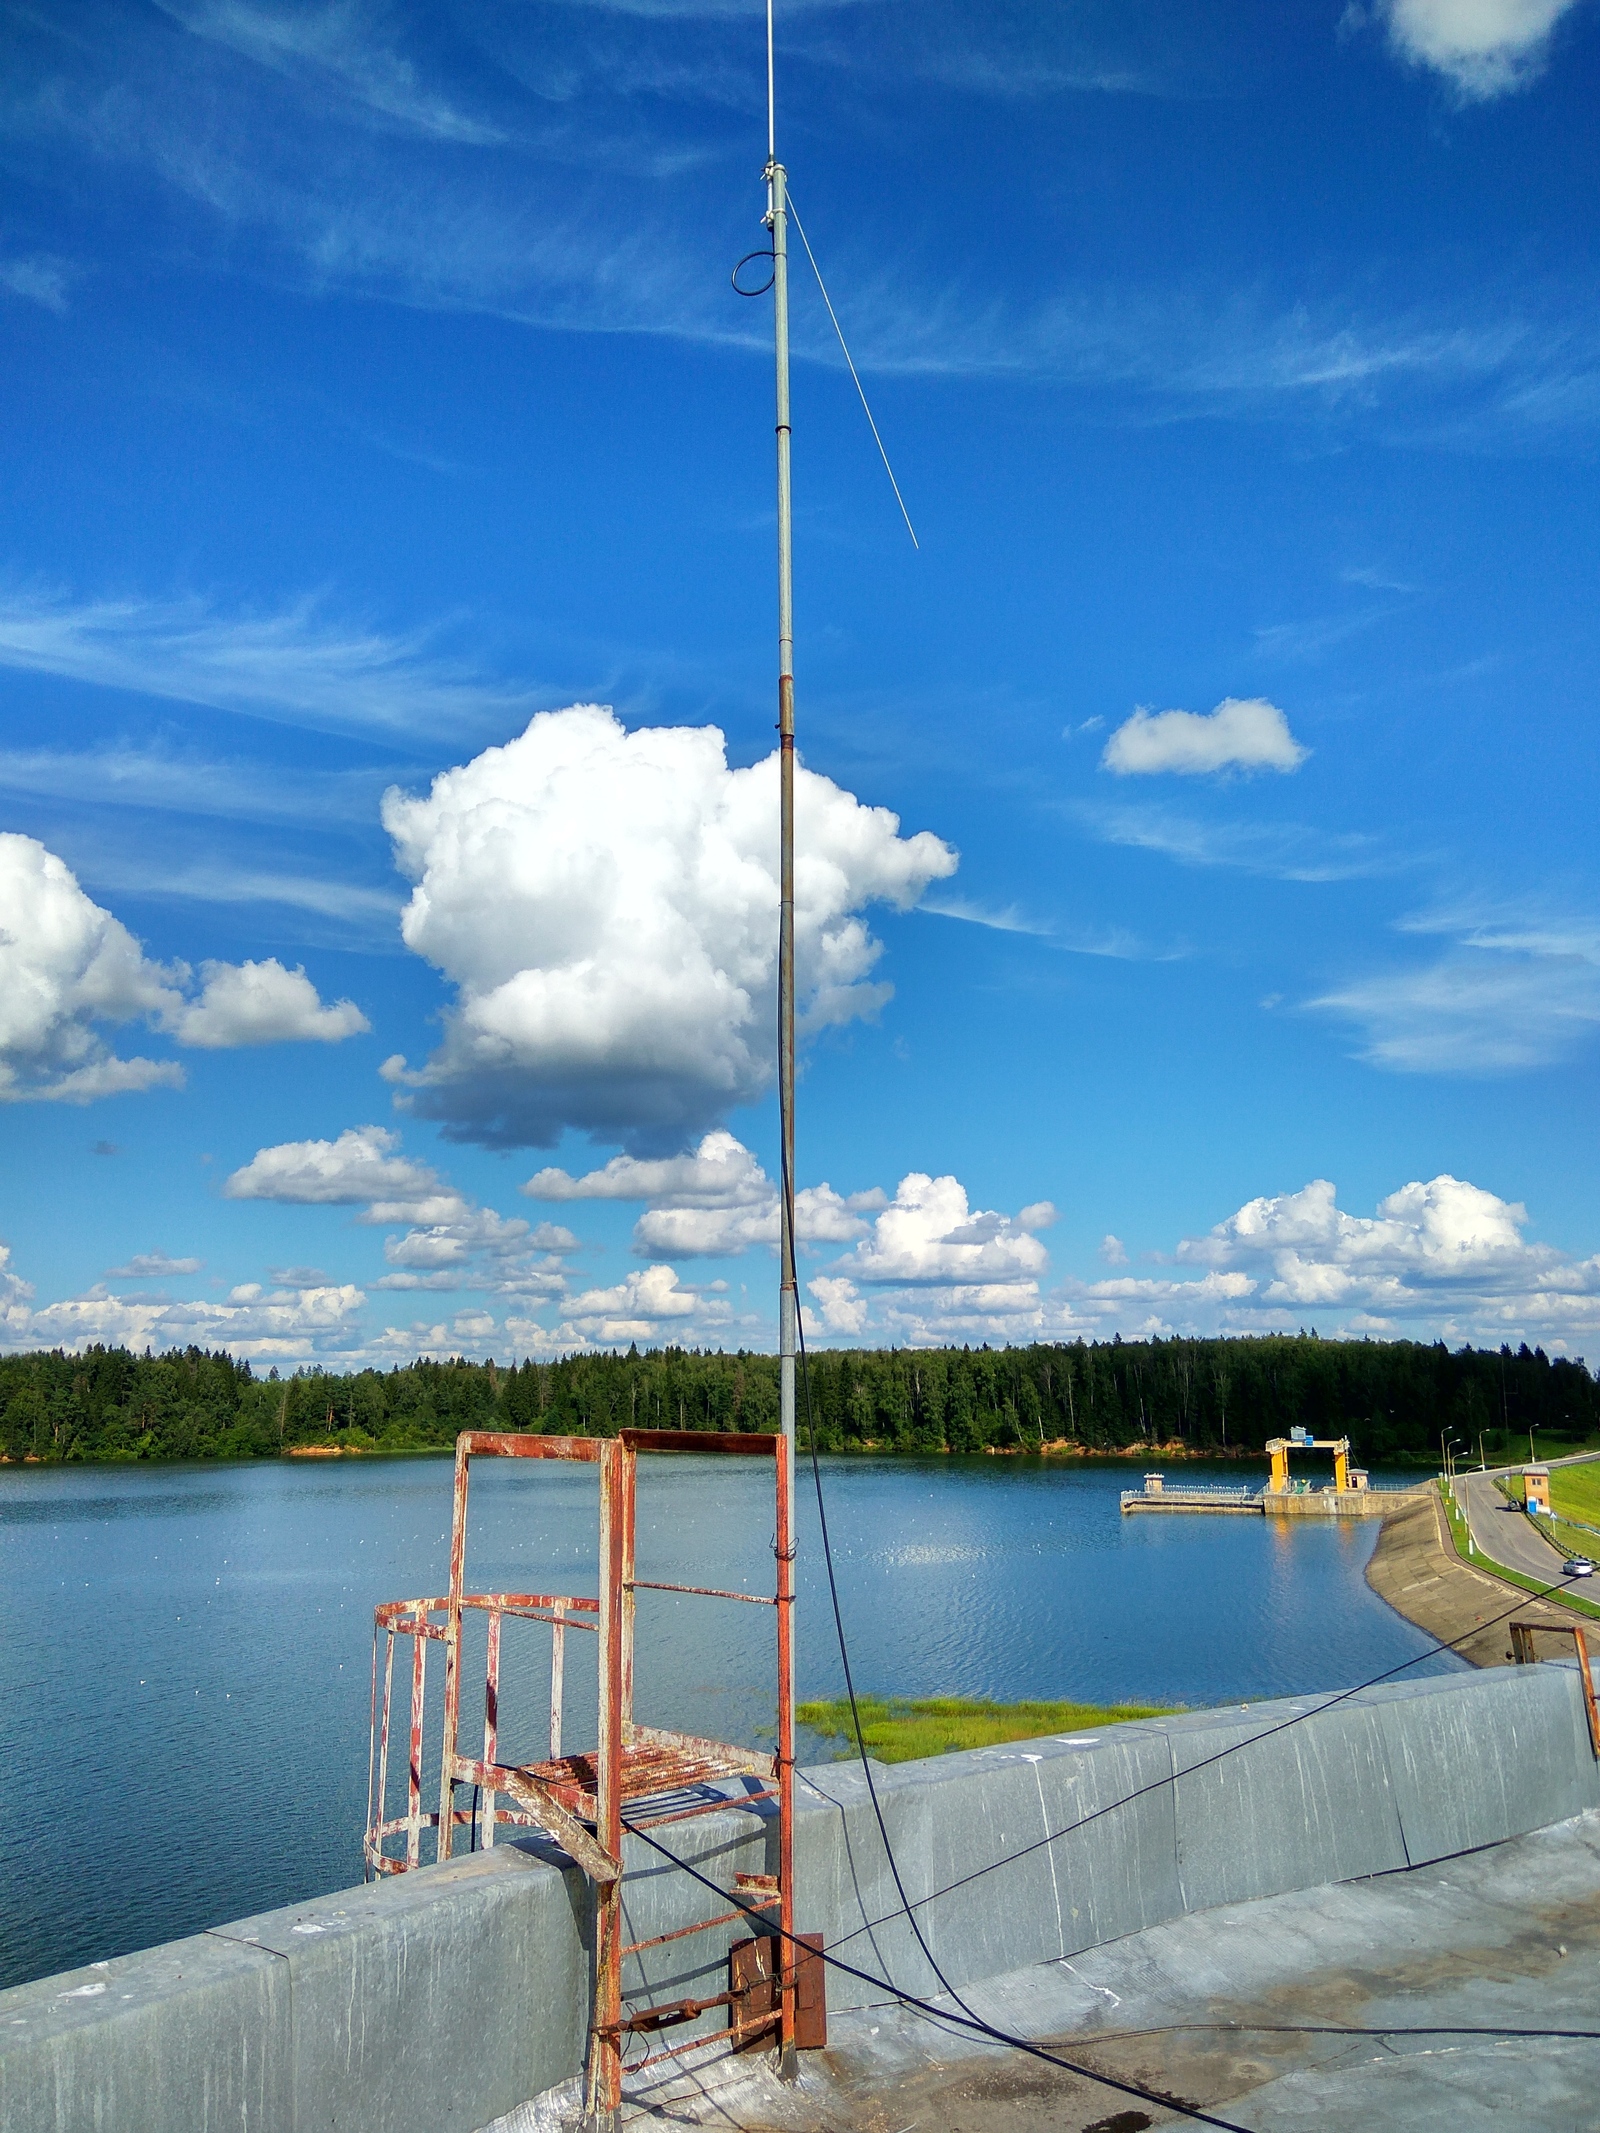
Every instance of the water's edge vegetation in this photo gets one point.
(1182, 1397)
(897, 1729)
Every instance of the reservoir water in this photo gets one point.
(185, 1652)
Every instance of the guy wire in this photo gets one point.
(860, 388)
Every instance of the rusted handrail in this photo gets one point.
(578, 1798)
(1522, 1651)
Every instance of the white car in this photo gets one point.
(1577, 1566)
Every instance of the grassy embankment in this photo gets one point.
(1575, 1499)
(901, 1730)
(1469, 1554)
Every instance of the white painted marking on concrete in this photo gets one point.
(1049, 1850)
(1104, 1990)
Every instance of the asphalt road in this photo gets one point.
(1505, 1533)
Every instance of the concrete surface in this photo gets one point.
(401, 2007)
(434, 2002)
(1253, 2013)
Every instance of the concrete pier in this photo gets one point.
(1271, 1503)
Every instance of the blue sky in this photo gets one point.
(1199, 906)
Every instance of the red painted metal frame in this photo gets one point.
(1522, 1636)
(580, 1799)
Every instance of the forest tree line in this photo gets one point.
(1394, 1399)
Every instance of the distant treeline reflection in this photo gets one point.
(1393, 1398)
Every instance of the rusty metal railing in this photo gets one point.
(1523, 1653)
(578, 1799)
(415, 1619)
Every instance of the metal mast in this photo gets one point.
(788, 1296)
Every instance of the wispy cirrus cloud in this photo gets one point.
(39, 278)
(1008, 918)
(168, 779)
(1284, 851)
(1515, 988)
(427, 169)
(295, 664)
(342, 48)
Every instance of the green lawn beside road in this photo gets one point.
(1575, 1492)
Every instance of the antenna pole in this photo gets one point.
(788, 1296)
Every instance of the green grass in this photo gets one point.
(1576, 1490)
(898, 1730)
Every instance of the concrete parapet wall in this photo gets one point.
(435, 2002)
(1339, 1503)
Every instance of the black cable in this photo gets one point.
(1250, 1741)
(967, 2020)
(1111, 2036)
(1337, 2029)
(972, 2018)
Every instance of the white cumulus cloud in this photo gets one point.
(713, 1203)
(721, 1172)
(840, 1306)
(1243, 733)
(68, 968)
(928, 1234)
(605, 904)
(280, 1325)
(450, 1243)
(1444, 1257)
(821, 1216)
(262, 1003)
(651, 1304)
(1445, 1231)
(362, 1164)
(1483, 47)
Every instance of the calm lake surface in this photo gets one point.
(185, 1652)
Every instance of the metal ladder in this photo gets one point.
(646, 1775)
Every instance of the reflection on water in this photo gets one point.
(185, 1652)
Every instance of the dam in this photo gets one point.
(1224, 1870)
(1350, 1494)
(1221, 1847)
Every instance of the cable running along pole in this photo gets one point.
(777, 222)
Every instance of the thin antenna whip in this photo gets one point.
(772, 105)
(839, 330)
